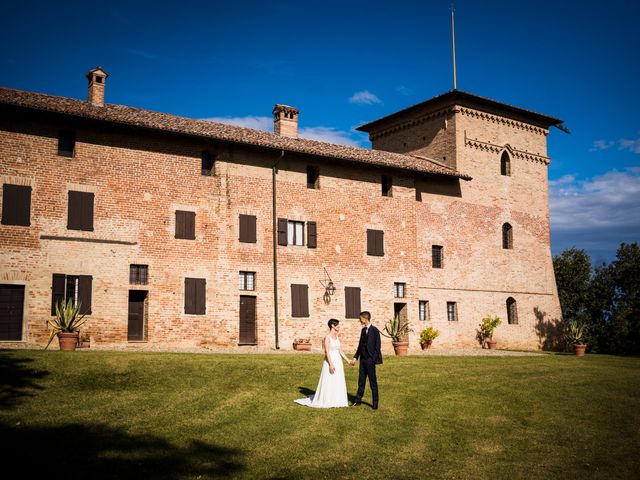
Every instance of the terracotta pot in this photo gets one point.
(426, 345)
(492, 344)
(400, 347)
(302, 346)
(580, 350)
(68, 340)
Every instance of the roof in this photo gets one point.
(135, 117)
(458, 97)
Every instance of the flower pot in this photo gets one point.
(400, 347)
(492, 344)
(426, 345)
(302, 346)
(580, 350)
(68, 340)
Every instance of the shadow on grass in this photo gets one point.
(100, 452)
(17, 380)
(308, 392)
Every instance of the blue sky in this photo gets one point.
(346, 63)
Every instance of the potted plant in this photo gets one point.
(427, 336)
(397, 331)
(302, 344)
(487, 327)
(66, 325)
(574, 333)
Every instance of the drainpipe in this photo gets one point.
(274, 171)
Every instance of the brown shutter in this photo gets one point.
(299, 300)
(352, 302)
(311, 235)
(282, 231)
(57, 290)
(190, 225)
(189, 295)
(247, 334)
(248, 228)
(201, 296)
(87, 211)
(380, 243)
(74, 211)
(16, 205)
(179, 225)
(84, 294)
(370, 242)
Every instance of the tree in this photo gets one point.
(573, 277)
(625, 315)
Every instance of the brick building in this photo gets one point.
(171, 231)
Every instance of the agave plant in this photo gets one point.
(395, 329)
(574, 333)
(67, 319)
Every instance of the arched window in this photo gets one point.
(512, 311)
(505, 164)
(507, 236)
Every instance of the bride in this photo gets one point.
(332, 388)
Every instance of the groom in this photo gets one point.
(370, 356)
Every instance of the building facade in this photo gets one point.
(179, 233)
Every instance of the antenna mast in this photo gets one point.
(453, 44)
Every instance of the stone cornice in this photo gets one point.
(410, 123)
(494, 148)
(505, 121)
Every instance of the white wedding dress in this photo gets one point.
(332, 388)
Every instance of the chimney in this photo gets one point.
(285, 120)
(96, 78)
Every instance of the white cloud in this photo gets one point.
(623, 144)
(596, 214)
(601, 145)
(402, 90)
(364, 97)
(250, 121)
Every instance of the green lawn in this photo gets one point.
(161, 415)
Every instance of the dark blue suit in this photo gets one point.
(369, 355)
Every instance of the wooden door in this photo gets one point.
(247, 320)
(137, 300)
(11, 309)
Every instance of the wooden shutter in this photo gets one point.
(247, 330)
(57, 290)
(185, 225)
(299, 300)
(282, 231)
(352, 302)
(87, 210)
(201, 296)
(179, 225)
(74, 211)
(189, 295)
(84, 294)
(370, 242)
(16, 205)
(248, 228)
(380, 243)
(312, 241)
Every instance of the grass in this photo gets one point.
(169, 416)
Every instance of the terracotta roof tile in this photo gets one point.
(136, 117)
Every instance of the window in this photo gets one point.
(313, 177)
(185, 225)
(507, 236)
(375, 243)
(195, 291)
(247, 280)
(80, 211)
(138, 274)
(512, 311)
(387, 185)
(452, 311)
(248, 228)
(423, 310)
(16, 205)
(398, 290)
(352, 302)
(207, 163)
(505, 164)
(436, 256)
(66, 143)
(295, 233)
(299, 300)
(75, 287)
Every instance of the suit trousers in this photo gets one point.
(368, 370)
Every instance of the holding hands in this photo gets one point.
(352, 362)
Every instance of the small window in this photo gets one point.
(313, 177)
(423, 310)
(247, 228)
(299, 300)
(505, 164)
(436, 256)
(512, 311)
(139, 274)
(387, 186)
(16, 205)
(98, 79)
(75, 287)
(207, 164)
(195, 291)
(452, 311)
(507, 236)
(375, 243)
(247, 281)
(66, 143)
(80, 211)
(295, 233)
(398, 290)
(185, 225)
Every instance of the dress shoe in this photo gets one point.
(375, 406)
